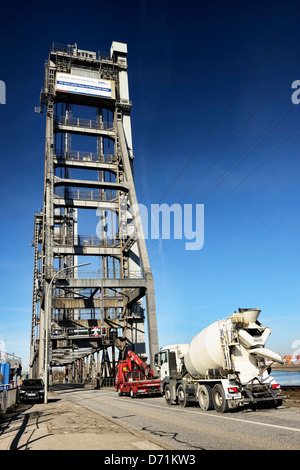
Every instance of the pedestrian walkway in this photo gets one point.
(62, 425)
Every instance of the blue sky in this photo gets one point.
(213, 123)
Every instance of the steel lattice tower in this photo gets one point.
(76, 311)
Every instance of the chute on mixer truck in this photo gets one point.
(223, 368)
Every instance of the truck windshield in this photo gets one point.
(163, 357)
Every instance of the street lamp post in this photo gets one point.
(47, 319)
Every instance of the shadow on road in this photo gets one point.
(66, 386)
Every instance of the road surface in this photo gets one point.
(191, 428)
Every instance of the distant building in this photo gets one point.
(15, 370)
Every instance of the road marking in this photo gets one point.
(251, 422)
(221, 417)
(203, 413)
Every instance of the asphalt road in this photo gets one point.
(191, 428)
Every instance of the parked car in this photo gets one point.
(32, 389)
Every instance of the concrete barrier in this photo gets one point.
(8, 398)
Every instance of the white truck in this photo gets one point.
(226, 366)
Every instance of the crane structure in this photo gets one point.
(135, 377)
(79, 313)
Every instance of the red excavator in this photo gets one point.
(133, 376)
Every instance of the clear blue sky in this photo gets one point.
(213, 123)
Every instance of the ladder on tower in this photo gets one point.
(35, 278)
(35, 243)
(224, 346)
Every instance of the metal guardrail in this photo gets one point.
(86, 156)
(107, 382)
(81, 122)
(92, 274)
(72, 49)
(109, 275)
(59, 47)
(87, 240)
(107, 195)
(5, 386)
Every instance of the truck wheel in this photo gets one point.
(181, 396)
(219, 399)
(132, 394)
(168, 396)
(277, 402)
(205, 398)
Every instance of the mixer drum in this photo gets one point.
(205, 351)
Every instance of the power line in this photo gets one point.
(243, 180)
(234, 99)
(255, 169)
(241, 130)
(239, 160)
(235, 137)
(216, 82)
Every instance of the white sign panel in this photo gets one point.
(83, 85)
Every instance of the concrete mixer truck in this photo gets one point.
(226, 366)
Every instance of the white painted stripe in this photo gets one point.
(223, 416)
(202, 413)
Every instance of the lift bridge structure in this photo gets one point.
(83, 316)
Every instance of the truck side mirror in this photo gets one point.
(156, 360)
